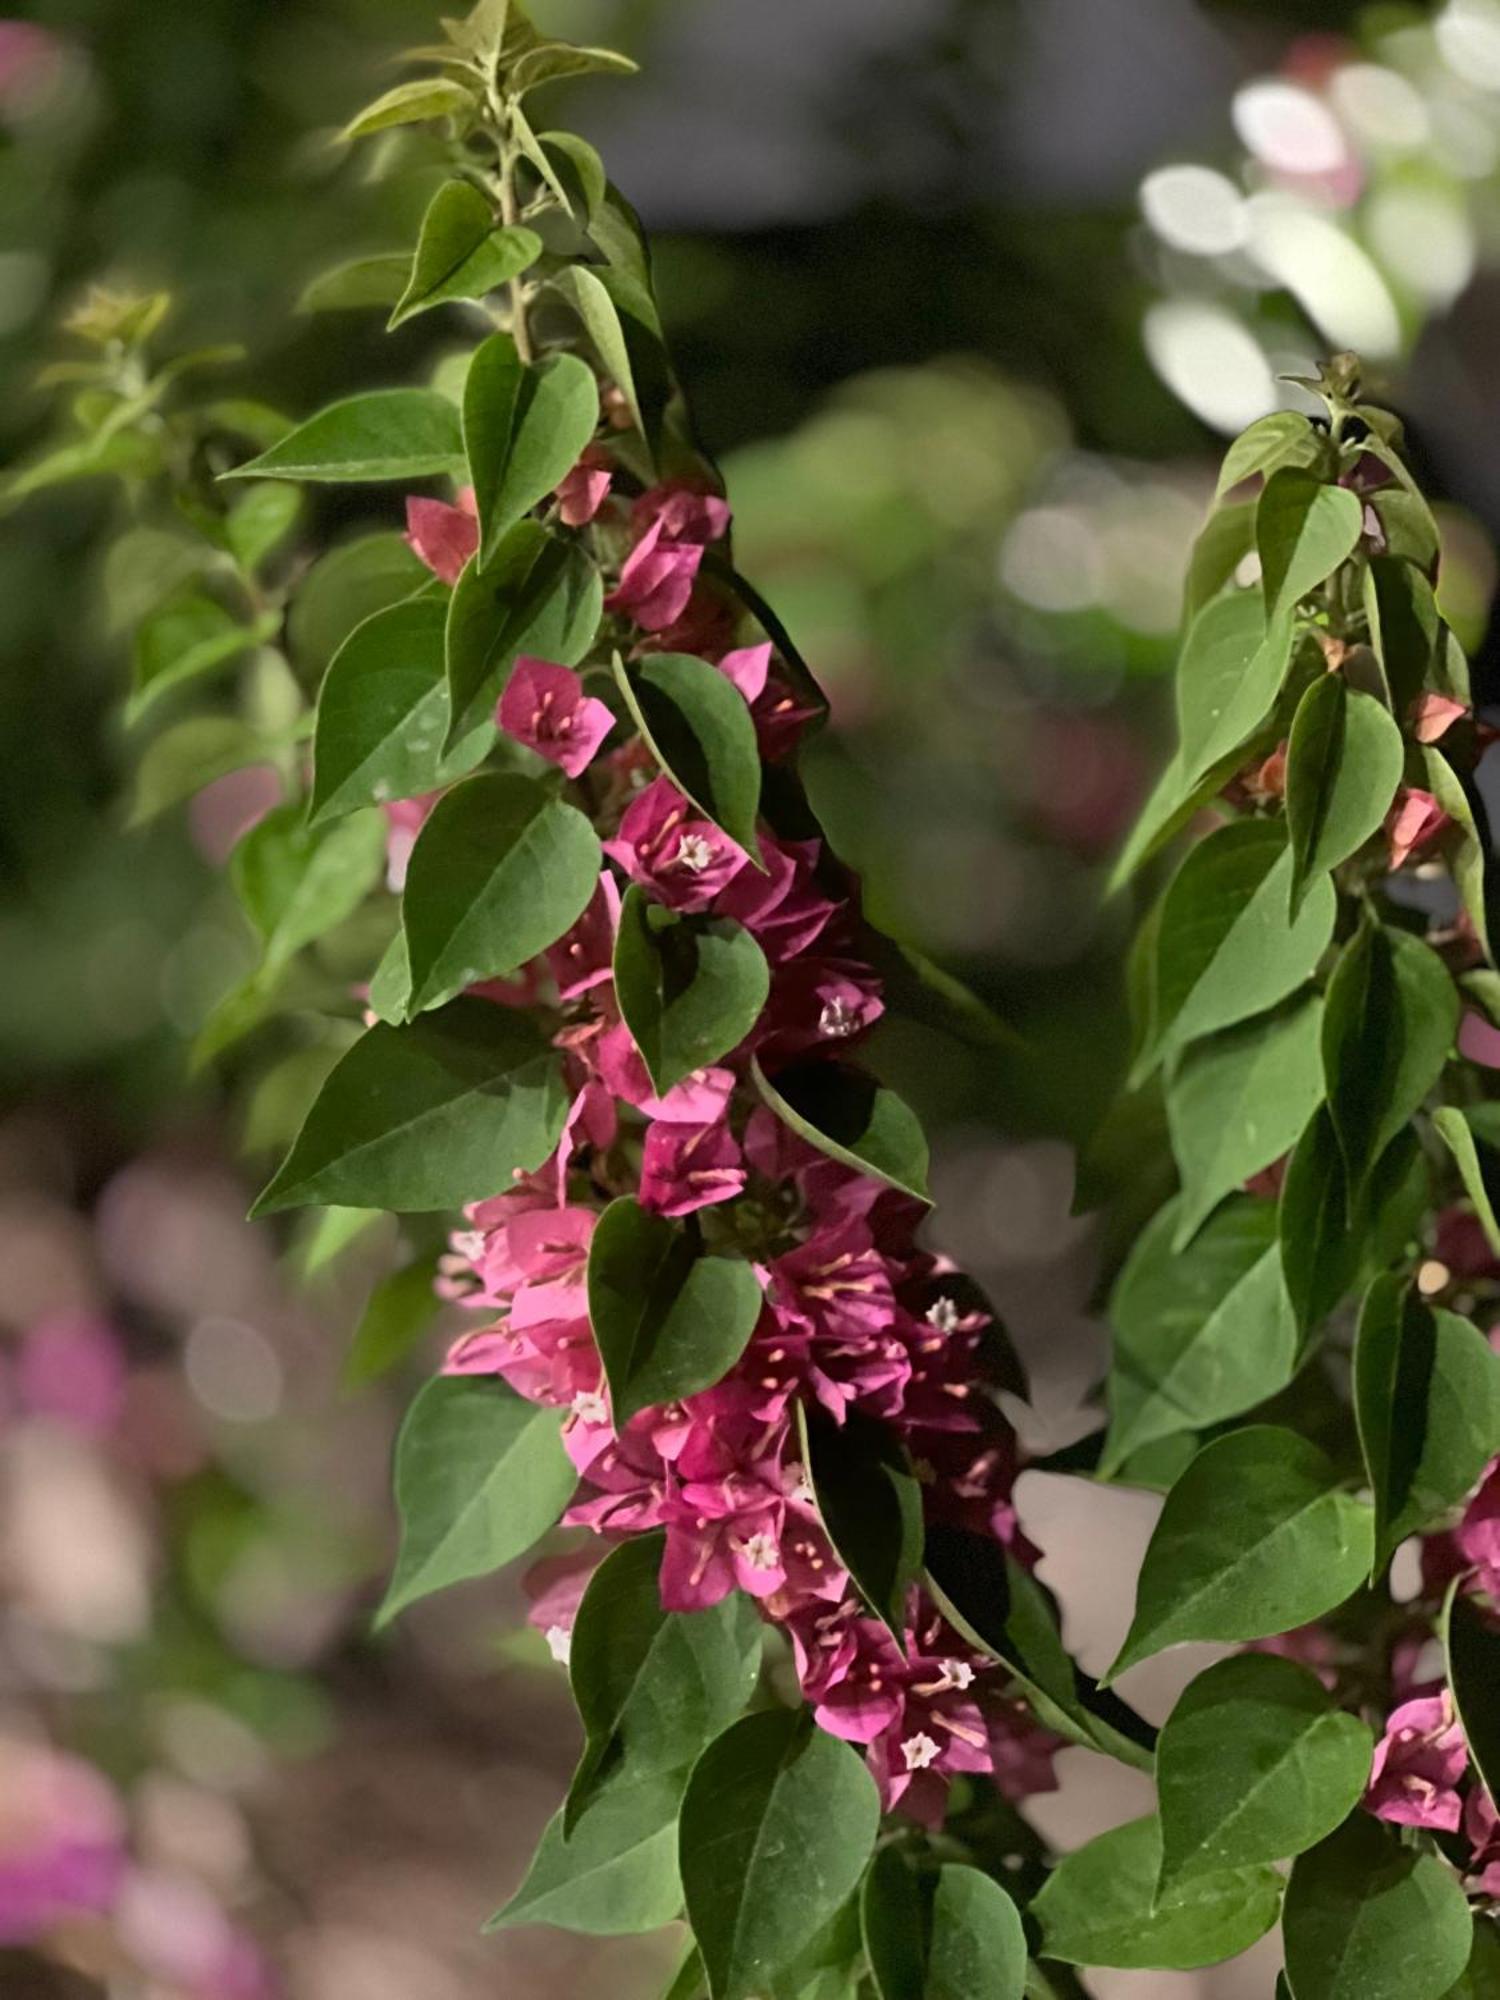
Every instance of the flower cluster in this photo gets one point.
(855, 1316)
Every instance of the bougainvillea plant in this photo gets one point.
(599, 990)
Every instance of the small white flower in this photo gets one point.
(694, 853)
(559, 1644)
(590, 1407)
(919, 1751)
(956, 1673)
(837, 1020)
(942, 1314)
(760, 1551)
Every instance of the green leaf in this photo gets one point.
(1368, 1918)
(190, 755)
(1405, 627)
(362, 281)
(698, 729)
(432, 1116)
(1240, 1099)
(653, 1687)
(1303, 530)
(578, 170)
(1326, 1229)
(1228, 677)
(385, 434)
(260, 521)
(777, 1825)
(1471, 1647)
(1254, 1764)
(669, 1319)
(185, 640)
(351, 583)
(413, 103)
(1458, 1135)
(1461, 845)
(500, 870)
(851, 1118)
(1228, 536)
(1100, 1906)
(1480, 1979)
(620, 320)
(1226, 948)
(556, 60)
(383, 715)
(1201, 1335)
(1388, 1029)
(1427, 1402)
(397, 1314)
(390, 983)
(1285, 437)
(296, 884)
(1172, 803)
(1291, 1547)
(1344, 762)
(1002, 1610)
(870, 1504)
(689, 988)
(461, 253)
(951, 1935)
(481, 1475)
(615, 1874)
(540, 595)
(525, 426)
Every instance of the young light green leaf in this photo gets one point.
(1303, 530)
(615, 1874)
(869, 1502)
(1368, 1918)
(351, 583)
(481, 1474)
(1427, 1403)
(698, 729)
(500, 870)
(1201, 1335)
(1254, 1764)
(578, 170)
(362, 281)
(1238, 1100)
(1292, 1547)
(1227, 537)
(1226, 948)
(949, 1935)
(185, 640)
(397, 1313)
(1344, 762)
(847, 1115)
(413, 103)
(669, 1319)
(1285, 437)
(778, 1822)
(190, 755)
(1454, 1129)
(383, 715)
(525, 426)
(555, 60)
(1388, 1028)
(386, 434)
(297, 883)
(432, 1116)
(462, 252)
(540, 595)
(260, 521)
(689, 988)
(1172, 803)
(1101, 1906)
(653, 1687)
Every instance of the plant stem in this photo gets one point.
(509, 215)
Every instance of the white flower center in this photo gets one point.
(919, 1751)
(837, 1020)
(590, 1407)
(942, 1314)
(760, 1551)
(956, 1673)
(694, 853)
(559, 1644)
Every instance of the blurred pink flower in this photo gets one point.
(444, 537)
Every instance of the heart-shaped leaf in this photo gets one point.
(616, 1872)
(948, 1935)
(462, 253)
(1368, 1918)
(1303, 530)
(690, 989)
